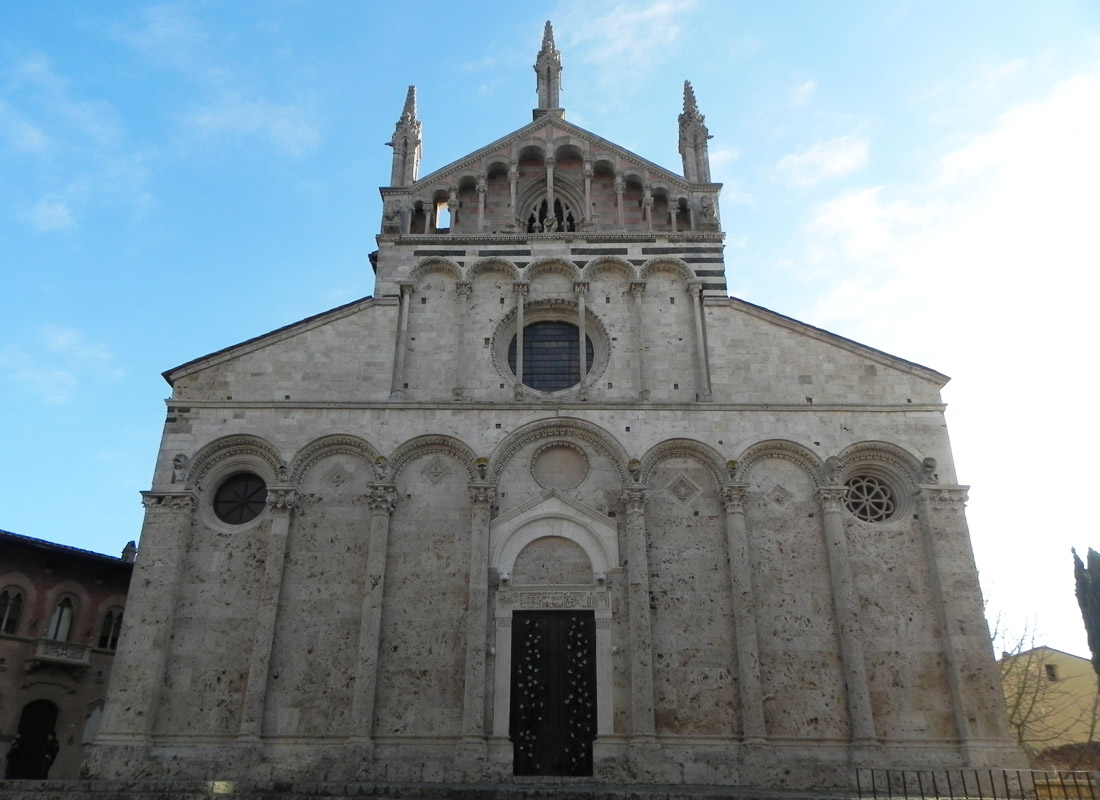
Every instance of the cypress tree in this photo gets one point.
(1088, 597)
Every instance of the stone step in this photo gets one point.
(280, 790)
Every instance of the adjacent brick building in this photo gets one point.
(61, 611)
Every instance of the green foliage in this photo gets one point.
(1088, 597)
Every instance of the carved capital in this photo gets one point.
(733, 497)
(382, 498)
(695, 288)
(832, 498)
(169, 501)
(462, 288)
(944, 498)
(580, 287)
(637, 288)
(521, 287)
(587, 169)
(282, 499)
(407, 287)
(634, 500)
(550, 162)
(482, 494)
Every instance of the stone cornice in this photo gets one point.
(507, 405)
(169, 501)
(579, 237)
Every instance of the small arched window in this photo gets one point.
(61, 621)
(11, 604)
(109, 631)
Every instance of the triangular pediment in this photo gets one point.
(547, 133)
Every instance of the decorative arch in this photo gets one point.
(564, 428)
(242, 448)
(670, 263)
(610, 264)
(431, 443)
(566, 192)
(326, 446)
(432, 264)
(493, 264)
(880, 456)
(781, 449)
(553, 264)
(690, 448)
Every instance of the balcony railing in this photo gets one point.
(64, 654)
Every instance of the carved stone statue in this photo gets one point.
(179, 468)
(832, 471)
(928, 471)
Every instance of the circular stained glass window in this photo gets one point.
(551, 355)
(870, 498)
(240, 499)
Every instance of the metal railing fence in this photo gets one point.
(976, 784)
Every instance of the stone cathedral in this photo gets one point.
(551, 503)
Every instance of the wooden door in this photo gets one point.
(553, 714)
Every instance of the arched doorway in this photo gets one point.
(36, 722)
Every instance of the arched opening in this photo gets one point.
(36, 722)
(11, 606)
(61, 621)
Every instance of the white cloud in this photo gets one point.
(800, 95)
(288, 128)
(832, 159)
(620, 40)
(74, 344)
(19, 133)
(990, 271)
(55, 363)
(50, 214)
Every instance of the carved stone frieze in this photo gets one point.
(169, 501)
(943, 498)
(551, 599)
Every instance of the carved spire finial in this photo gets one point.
(406, 144)
(548, 70)
(691, 106)
(693, 139)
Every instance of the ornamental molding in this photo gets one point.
(667, 264)
(890, 460)
(244, 447)
(493, 264)
(169, 501)
(424, 445)
(435, 264)
(560, 443)
(683, 448)
(580, 237)
(561, 429)
(553, 264)
(338, 444)
(611, 264)
(781, 449)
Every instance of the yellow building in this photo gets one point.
(1051, 698)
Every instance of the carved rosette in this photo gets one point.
(733, 498)
(482, 494)
(634, 500)
(940, 498)
(382, 498)
(169, 501)
(832, 498)
(282, 500)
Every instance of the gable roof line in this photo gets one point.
(530, 127)
(264, 339)
(851, 345)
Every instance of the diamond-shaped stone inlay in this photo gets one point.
(436, 470)
(779, 496)
(683, 489)
(338, 476)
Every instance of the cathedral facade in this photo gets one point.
(551, 503)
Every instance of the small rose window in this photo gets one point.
(870, 499)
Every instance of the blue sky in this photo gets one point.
(918, 176)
